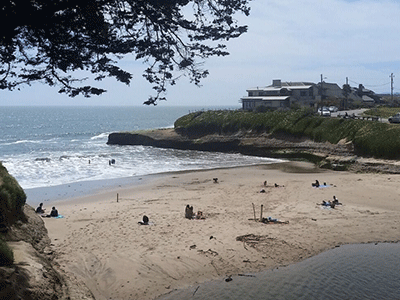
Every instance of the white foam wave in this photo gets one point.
(24, 142)
(67, 166)
(100, 136)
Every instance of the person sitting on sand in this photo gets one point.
(316, 184)
(40, 209)
(145, 220)
(189, 212)
(199, 215)
(335, 200)
(54, 212)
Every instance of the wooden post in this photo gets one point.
(261, 212)
(254, 210)
(117, 197)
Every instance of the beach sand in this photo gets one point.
(100, 243)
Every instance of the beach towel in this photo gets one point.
(322, 186)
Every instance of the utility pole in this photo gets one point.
(391, 86)
(347, 96)
(322, 91)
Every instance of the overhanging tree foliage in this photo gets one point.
(47, 40)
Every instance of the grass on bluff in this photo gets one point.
(369, 138)
(12, 199)
(6, 254)
(382, 112)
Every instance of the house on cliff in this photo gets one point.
(285, 94)
(280, 94)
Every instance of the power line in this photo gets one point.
(378, 85)
(371, 85)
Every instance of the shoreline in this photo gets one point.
(99, 242)
(62, 192)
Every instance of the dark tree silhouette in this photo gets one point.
(47, 40)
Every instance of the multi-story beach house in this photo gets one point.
(285, 94)
(281, 94)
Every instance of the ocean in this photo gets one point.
(44, 147)
(61, 152)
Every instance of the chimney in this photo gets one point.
(276, 83)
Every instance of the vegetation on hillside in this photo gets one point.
(369, 138)
(12, 199)
(382, 112)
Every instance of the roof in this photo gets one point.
(365, 98)
(266, 98)
(287, 85)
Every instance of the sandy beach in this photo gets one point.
(100, 243)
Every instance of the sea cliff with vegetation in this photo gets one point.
(336, 143)
(27, 270)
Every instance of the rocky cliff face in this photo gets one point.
(32, 275)
(259, 145)
(28, 270)
(168, 138)
(340, 156)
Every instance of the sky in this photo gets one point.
(289, 40)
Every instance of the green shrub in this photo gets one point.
(11, 193)
(6, 254)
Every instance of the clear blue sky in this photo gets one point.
(289, 40)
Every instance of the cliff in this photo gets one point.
(31, 276)
(339, 156)
(258, 145)
(27, 269)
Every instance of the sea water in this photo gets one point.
(368, 271)
(57, 146)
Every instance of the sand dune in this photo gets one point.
(100, 242)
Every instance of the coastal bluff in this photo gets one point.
(248, 144)
(27, 258)
(340, 156)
